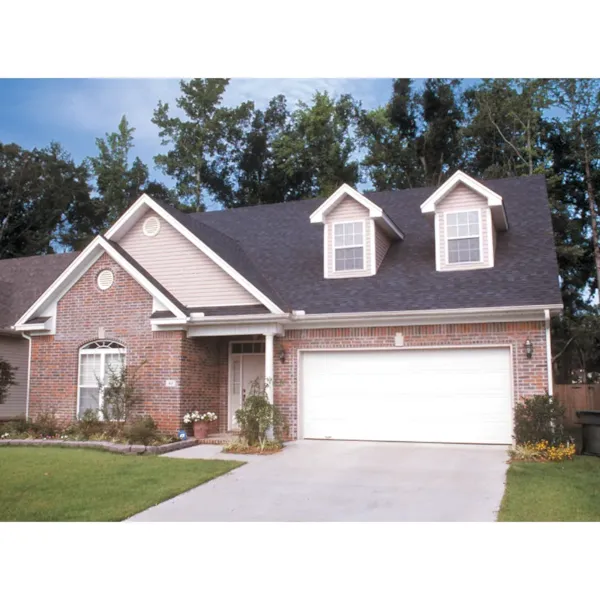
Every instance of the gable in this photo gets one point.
(182, 268)
(347, 209)
(462, 197)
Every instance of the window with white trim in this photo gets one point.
(349, 246)
(97, 360)
(463, 233)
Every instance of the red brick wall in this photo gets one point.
(123, 311)
(529, 376)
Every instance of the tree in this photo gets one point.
(202, 142)
(580, 99)
(117, 186)
(416, 139)
(503, 135)
(37, 189)
(439, 145)
(388, 134)
(314, 153)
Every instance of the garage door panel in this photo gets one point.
(458, 395)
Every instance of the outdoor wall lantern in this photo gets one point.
(528, 348)
(282, 356)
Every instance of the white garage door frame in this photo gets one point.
(301, 351)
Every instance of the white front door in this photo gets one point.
(245, 368)
(434, 395)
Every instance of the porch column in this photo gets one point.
(269, 364)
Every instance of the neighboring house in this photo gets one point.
(415, 315)
(22, 281)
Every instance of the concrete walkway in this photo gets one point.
(346, 481)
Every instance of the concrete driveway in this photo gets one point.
(347, 481)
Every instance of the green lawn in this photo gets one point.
(62, 484)
(567, 491)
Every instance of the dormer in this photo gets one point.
(467, 216)
(356, 234)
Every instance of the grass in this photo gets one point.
(62, 484)
(567, 491)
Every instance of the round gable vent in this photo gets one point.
(151, 226)
(105, 279)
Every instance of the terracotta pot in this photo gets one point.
(200, 430)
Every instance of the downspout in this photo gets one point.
(549, 352)
(27, 337)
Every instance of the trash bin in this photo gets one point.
(590, 434)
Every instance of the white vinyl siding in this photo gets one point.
(463, 199)
(184, 270)
(382, 244)
(348, 210)
(459, 395)
(15, 350)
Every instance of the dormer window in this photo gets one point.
(463, 233)
(467, 217)
(349, 246)
(356, 234)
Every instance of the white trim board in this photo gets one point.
(375, 212)
(120, 227)
(493, 200)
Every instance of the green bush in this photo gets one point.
(257, 416)
(44, 425)
(18, 425)
(142, 431)
(538, 418)
(7, 379)
(87, 425)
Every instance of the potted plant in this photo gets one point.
(200, 422)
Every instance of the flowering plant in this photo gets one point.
(195, 416)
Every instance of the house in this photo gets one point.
(22, 281)
(413, 315)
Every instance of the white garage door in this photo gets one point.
(449, 395)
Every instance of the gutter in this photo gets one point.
(28, 376)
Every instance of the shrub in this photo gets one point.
(142, 431)
(241, 447)
(7, 378)
(257, 416)
(19, 425)
(88, 424)
(44, 425)
(120, 393)
(538, 418)
(543, 451)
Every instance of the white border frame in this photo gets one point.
(363, 222)
(299, 374)
(457, 265)
(230, 371)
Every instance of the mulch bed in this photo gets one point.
(252, 450)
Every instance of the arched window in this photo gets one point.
(97, 360)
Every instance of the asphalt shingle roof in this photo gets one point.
(279, 251)
(289, 250)
(24, 280)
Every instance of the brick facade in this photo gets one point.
(121, 313)
(529, 375)
(200, 366)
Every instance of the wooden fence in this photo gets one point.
(577, 397)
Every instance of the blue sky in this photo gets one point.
(74, 112)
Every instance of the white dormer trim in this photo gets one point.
(494, 200)
(375, 212)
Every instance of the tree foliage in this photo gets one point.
(244, 155)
